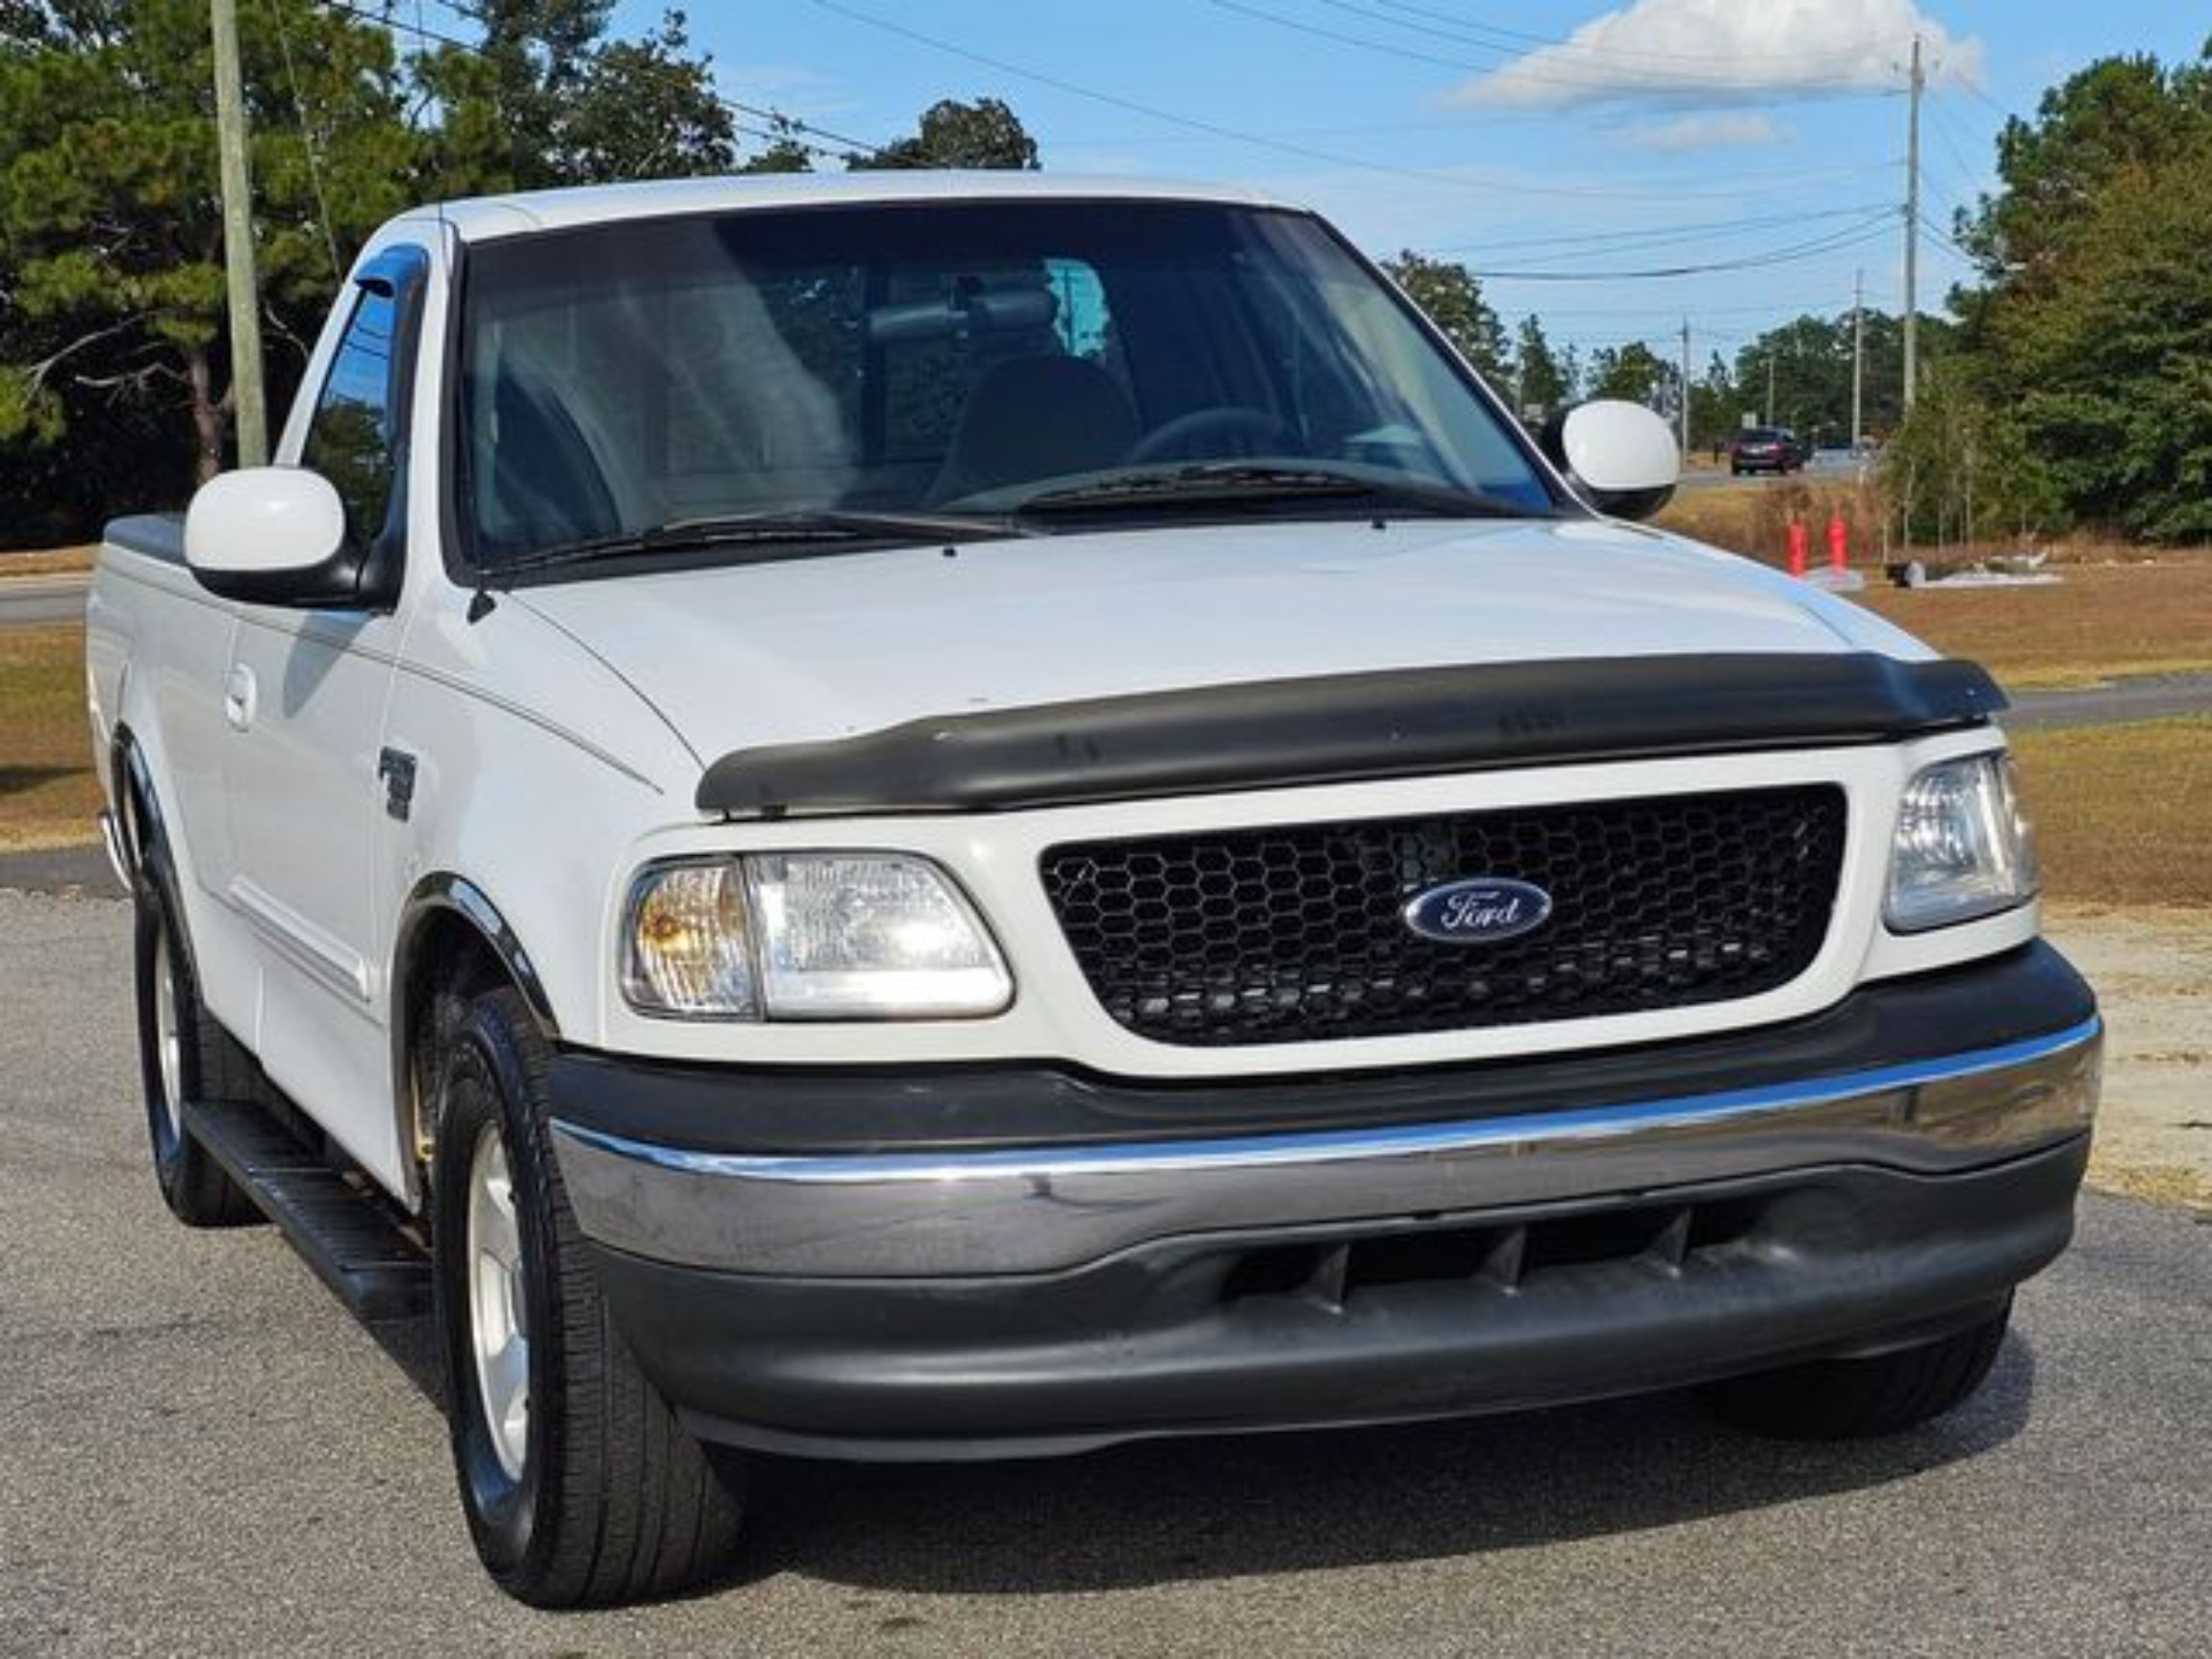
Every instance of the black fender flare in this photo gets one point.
(134, 795)
(443, 893)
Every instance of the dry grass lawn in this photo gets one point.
(47, 793)
(2123, 813)
(2101, 621)
(54, 561)
(2126, 812)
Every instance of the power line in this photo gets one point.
(1790, 310)
(1944, 239)
(1873, 226)
(1214, 129)
(782, 128)
(1974, 91)
(775, 117)
(1651, 235)
(307, 142)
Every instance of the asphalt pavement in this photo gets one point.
(200, 1453)
(2143, 697)
(28, 599)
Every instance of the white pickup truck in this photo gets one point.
(939, 817)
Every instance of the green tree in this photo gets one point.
(1959, 471)
(2119, 116)
(2110, 370)
(543, 98)
(2093, 329)
(952, 134)
(1811, 358)
(1713, 408)
(114, 353)
(785, 151)
(1634, 372)
(111, 238)
(1542, 385)
(1452, 298)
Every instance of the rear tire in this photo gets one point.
(1854, 1398)
(183, 1055)
(580, 1486)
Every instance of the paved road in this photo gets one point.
(43, 600)
(2148, 698)
(1829, 465)
(199, 1452)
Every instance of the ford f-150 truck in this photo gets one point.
(939, 817)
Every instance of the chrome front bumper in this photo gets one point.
(949, 1214)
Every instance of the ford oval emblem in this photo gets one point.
(1483, 910)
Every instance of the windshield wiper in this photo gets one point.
(1252, 480)
(759, 529)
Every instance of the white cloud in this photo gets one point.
(1712, 131)
(1710, 51)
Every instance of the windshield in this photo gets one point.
(949, 359)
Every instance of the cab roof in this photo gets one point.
(486, 219)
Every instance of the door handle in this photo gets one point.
(239, 697)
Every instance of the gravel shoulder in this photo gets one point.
(2152, 970)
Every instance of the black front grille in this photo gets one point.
(1295, 934)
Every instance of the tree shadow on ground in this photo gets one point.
(21, 780)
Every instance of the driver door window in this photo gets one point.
(351, 440)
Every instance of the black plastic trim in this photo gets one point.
(1352, 727)
(1841, 1260)
(794, 1109)
(446, 893)
(349, 1235)
(157, 536)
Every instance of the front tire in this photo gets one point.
(184, 1055)
(1856, 1399)
(580, 1486)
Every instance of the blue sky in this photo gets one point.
(1447, 125)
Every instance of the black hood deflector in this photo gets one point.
(1346, 728)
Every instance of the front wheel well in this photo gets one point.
(454, 946)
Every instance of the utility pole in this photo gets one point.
(1770, 386)
(1858, 354)
(1685, 388)
(249, 404)
(1913, 225)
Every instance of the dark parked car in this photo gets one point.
(1766, 449)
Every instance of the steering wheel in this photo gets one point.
(1224, 431)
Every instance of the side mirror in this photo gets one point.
(1619, 455)
(273, 535)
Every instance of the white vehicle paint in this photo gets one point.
(314, 771)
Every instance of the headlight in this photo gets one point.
(809, 935)
(1962, 845)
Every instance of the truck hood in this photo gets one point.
(816, 649)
